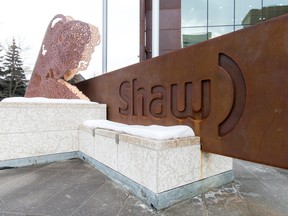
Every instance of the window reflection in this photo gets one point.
(274, 8)
(218, 31)
(239, 27)
(247, 12)
(205, 19)
(194, 13)
(192, 36)
(221, 12)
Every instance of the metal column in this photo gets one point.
(155, 28)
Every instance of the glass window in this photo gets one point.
(192, 36)
(218, 31)
(238, 27)
(218, 17)
(274, 8)
(194, 13)
(221, 12)
(247, 12)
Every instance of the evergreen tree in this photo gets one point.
(2, 81)
(15, 82)
(1, 62)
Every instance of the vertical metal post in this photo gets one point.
(207, 22)
(104, 35)
(142, 29)
(155, 27)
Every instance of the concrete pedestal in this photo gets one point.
(159, 172)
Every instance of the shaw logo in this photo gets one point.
(185, 100)
(140, 101)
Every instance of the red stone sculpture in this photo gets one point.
(66, 49)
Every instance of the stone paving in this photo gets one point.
(75, 188)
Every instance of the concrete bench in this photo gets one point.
(161, 168)
(160, 165)
(38, 130)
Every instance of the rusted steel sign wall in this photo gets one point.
(232, 90)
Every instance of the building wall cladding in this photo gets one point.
(170, 27)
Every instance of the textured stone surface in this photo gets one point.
(29, 117)
(106, 150)
(179, 166)
(99, 144)
(159, 144)
(22, 145)
(167, 164)
(157, 165)
(138, 164)
(33, 129)
(86, 141)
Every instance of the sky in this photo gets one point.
(27, 21)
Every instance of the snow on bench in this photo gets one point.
(44, 100)
(156, 132)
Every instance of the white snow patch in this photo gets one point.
(44, 100)
(55, 21)
(43, 50)
(143, 206)
(250, 194)
(209, 194)
(68, 196)
(156, 132)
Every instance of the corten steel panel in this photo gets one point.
(232, 90)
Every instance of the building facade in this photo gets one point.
(186, 22)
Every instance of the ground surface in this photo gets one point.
(75, 188)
